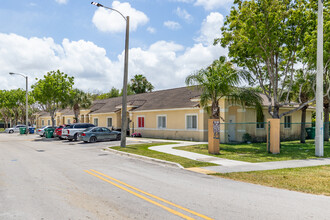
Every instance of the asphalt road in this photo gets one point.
(62, 180)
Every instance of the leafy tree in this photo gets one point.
(218, 81)
(53, 91)
(78, 99)
(308, 55)
(5, 109)
(113, 93)
(140, 84)
(266, 37)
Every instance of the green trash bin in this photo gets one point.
(22, 130)
(49, 132)
(310, 132)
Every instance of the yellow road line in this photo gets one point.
(143, 197)
(156, 197)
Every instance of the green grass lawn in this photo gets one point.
(257, 152)
(314, 180)
(142, 149)
(2, 129)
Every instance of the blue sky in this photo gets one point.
(169, 39)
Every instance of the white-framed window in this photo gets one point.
(55, 122)
(140, 121)
(96, 121)
(68, 120)
(161, 121)
(287, 121)
(191, 122)
(109, 122)
(48, 122)
(42, 122)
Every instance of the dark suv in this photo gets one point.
(71, 132)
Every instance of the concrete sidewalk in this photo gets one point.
(228, 166)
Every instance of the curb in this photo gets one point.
(163, 162)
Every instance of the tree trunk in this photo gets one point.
(276, 112)
(326, 122)
(303, 125)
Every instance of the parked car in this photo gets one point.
(58, 131)
(41, 131)
(14, 129)
(98, 134)
(71, 132)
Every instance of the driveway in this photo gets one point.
(63, 180)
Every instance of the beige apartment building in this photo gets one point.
(176, 114)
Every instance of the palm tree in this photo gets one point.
(303, 90)
(218, 81)
(79, 100)
(140, 84)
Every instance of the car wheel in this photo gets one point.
(118, 137)
(44, 134)
(70, 139)
(75, 137)
(85, 141)
(60, 138)
(92, 139)
(11, 131)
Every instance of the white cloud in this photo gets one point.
(151, 30)
(61, 1)
(211, 28)
(165, 64)
(213, 4)
(36, 56)
(110, 21)
(182, 13)
(172, 25)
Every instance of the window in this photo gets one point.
(68, 120)
(140, 122)
(109, 122)
(96, 121)
(161, 122)
(55, 122)
(287, 121)
(42, 122)
(260, 121)
(191, 122)
(48, 122)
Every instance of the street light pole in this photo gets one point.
(124, 98)
(26, 101)
(319, 84)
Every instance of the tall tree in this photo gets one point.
(140, 84)
(218, 81)
(78, 100)
(113, 93)
(308, 55)
(53, 91)
(266, 37)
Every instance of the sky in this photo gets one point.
(169, 39)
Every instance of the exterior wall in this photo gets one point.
(103, 118)
(176, 127)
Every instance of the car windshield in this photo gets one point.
(70, 126)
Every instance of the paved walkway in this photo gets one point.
(228, 166)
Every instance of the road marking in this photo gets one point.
(143, 197)
(153, 196)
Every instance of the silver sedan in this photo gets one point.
(94, 134)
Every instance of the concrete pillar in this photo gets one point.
(273, 135)
(213, 138)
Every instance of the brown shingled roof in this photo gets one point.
(164, 99)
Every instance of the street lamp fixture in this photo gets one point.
(26, 100)
(124, 98)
